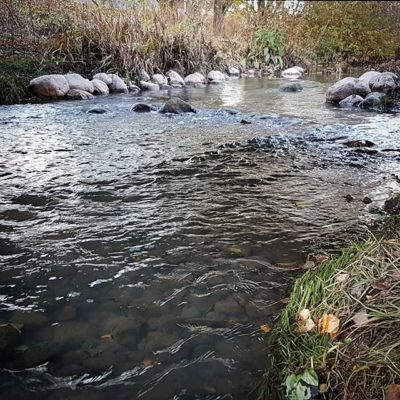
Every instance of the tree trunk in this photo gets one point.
(220, 9)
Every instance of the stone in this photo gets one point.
(216, 77)
(104, 78)
(195, 79)
(374, 101)
(174, 79)
(367, 200)
(392, 204)
(228, 306)
(293, 72)
(190, 312)
(100, 88)
(67, 313)
(117, 84)
(291, 87)
(359, 143)
(353, 100)
(97, 110)
(176, 106)
(29, 319)
(385, 82)
(143, 107)
(9, 338)
(133, 88)
(165, 87)
(160, 79)
(245, 122)
(77, 82)
(340, 90)
(77, 94)
(71, 332)
(233, 71)
(361, 88)
(49, 86)
(149, 86)
(369, 77)
(144, 76)
(127, 331)
(158, 341)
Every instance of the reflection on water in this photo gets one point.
(139, 251)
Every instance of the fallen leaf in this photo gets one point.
(265, 328)
(309, 264)
(329, 324)
(342, 278)
(148, 362)
(319, 258)
(393, 392)
(323, 388)
(306, 323)
(285, 300)
(396, 276)
(382, 286)
(360, 319)
(106, 337)
(304, 314)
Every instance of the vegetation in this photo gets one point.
(351, 349)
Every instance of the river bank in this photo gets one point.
(338, 336)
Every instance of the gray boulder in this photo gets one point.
(160, 79)
(216, 77)
(103, 77)
(117, 84)
(369, 77)
(100, 88)
(97, 110)
(176, 106)
(361, 88)
(175, 80)
(133, 88)
(233, 71)
(293, 72)
(143, 107)
(50, 86)
(385, 82)
(144, 76)
(291, 87)
(353, 100)
(77, 94)
(75, 81)
(375, 101)
(195, 79)
(149, 85)
(340, 90)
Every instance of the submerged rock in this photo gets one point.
(50, 86)
(76, 94)
(392, 204)
(117, 84)
(175, 80)
(149, 85)
(359, 143)
(77, 82)
(353, 100)
(176, 106)
(291, 87)
(133, 88)
(374, 101)
(195, 79)
(143, 107)
(104, 78)
(144, 76)
(345, 88)
(100, 88)
(160, 79)
(216, 77)
(97, 110)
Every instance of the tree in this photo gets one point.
(220, 9)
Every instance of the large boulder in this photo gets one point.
(77, 94)
(233, 71)
(195, 79)
(216, 77)
(175, 80)
(353, 100)
(376, 101)
(100, 88)
(345, 88)
(369, 77)
(385, 82)
(149, 85)
(176, 106)
(117, 84)
(50, 86)
(76, 81)
(293, 72)
(101, 76)
(160, 79)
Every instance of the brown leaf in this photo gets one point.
(329, 324)
(379, 285)
(265, 328)
(360, 319)
(393, 392)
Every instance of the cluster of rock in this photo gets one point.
(74, 86)
(372, 90)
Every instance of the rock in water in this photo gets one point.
(374, 101)
(177, 106)
(97, 110)
(216, 77)
(385, 82)
(50, 86)
(340, 90)
(293, 72)
(76, 94)
(143, 107)
(117, 84)
(160, 79)
(195, 79)
(291, 87)
(175, 80)
(103, 77)
(100, 88)
(144, 76)
(392, 204)
(351, 101)
(233, 71)
(369, 77)
(75, 81)
(149, 86)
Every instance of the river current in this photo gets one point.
(140, 253)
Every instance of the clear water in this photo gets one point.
(139, 251)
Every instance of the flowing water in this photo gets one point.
(139, 252)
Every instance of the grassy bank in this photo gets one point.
(347, 345)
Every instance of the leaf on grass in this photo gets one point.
(265, 328)
(309, 264)
(360, 319)
(342, 278)
(306, 323)
(329, 324)
(323, 388)
(381, 286)
(393, 392)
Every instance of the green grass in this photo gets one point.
(361, 361)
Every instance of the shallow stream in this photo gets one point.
(139, 252)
